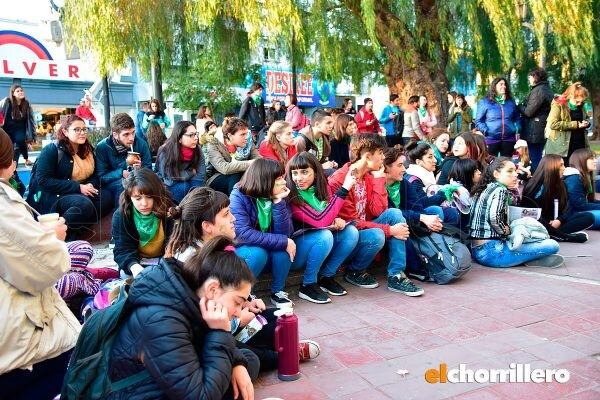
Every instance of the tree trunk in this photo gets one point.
(157, 80)
(106, 101)
(410, 69)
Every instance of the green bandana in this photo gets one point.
(319, 144)
(422, 112)
(146, 225)
(500, 99)
(15, 185)
(308, 195)
(394, 193)
(265, 212)
(256, 100)
(572, 106)
(437, 155)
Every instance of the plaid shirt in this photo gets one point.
(489, 213)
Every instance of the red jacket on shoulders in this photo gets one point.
(377, 201)
(266, 150)
(361, 119)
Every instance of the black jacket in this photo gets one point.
(535, 110)
(51, 178)
(127, 240)
(254, 115)
(185, 358)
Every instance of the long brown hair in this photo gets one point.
(148, 184)
(579, 160)
(278, 127)
(156, 138)
(18, 111)
(62, 138)
(341, 125)
(547, 174)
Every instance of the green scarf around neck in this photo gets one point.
(394, 193)
(309, 196)
(256, 100)
(422, 112)
(265, 213)
(572, 106)
(500, 99)
(146, 225)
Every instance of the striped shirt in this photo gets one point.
(489, 213)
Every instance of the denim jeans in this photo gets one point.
(596, 214)
(536, 150)
(372, 240)
(114, 188)
(495, 253)
(258, 258)
(180, 189)
(448, 215)
(323, 251)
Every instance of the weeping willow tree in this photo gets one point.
(170, 33)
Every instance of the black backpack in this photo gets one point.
(444, 255)
(88, 374)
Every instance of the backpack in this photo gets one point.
(87, 376)
(30, 194)
(444, 254)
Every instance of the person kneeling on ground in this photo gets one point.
(367, 207)
(490, 227)
(179, 329)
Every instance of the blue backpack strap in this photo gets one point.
(412, 178)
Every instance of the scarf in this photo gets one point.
(500, 99)
(394, 193)
(146, 225)
(265, 213)
(120, 147)
(427, 177)
(187, 154)
(437, 154)
(83, 168)
(256, 100)
(572, 106)
(422, 112)
(308, 195)
(319, 145)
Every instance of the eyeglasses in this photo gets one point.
(191, 135)
(81, 130)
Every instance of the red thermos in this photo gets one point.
(286, 344)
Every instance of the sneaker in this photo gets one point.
(329, 285)
(579, 237)
(400, 283)
(313, 293)
(308, 350)
(361, 279)
(281, 299)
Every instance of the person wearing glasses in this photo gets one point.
(64, 180)
(179, 163)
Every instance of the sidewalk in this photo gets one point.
(489, 319)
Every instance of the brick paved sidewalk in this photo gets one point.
(489, 319)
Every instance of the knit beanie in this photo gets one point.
(6, 150)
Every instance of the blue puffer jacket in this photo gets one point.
(110, 164)
(246, 223)
(166, 335)
(576, 192)
(496, 121)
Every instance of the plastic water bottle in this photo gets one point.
(286, 344)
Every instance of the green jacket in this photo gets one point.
(559, 127)
(466, 120)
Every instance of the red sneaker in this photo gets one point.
(104, 274)
(308, 350)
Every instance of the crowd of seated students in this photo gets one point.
(214, 214)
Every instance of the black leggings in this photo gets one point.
(263, 343)
(506, 148)
(575, 223)
(20, 147)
